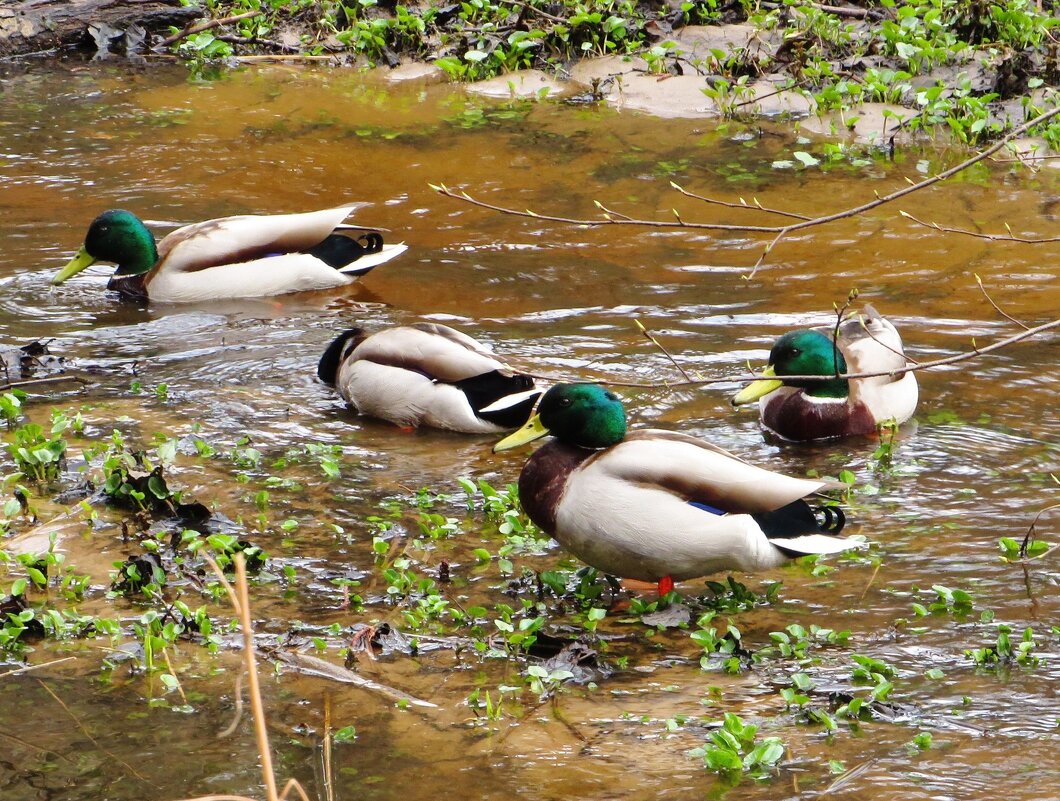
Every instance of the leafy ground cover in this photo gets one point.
(977, 67)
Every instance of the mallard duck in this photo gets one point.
(428, 375)
(232, 257)
(805, 410)
(658, 505)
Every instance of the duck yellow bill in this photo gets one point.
(76, 265)
(757, 389)
(528, 433)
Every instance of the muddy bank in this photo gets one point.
(874, 74)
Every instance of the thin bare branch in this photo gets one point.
(651, 338)
(29, 668)
(88, 734)
(1031, 531)
(230, 729)
(538, 12)
(744, 205)
(1026, 240)
(1000, 311)
(444, 190)
(32, 382)
(909, 368)
(199, 27)
(780, 232)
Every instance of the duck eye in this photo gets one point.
(795, 351)
(564, 402)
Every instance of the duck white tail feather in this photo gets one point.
(818, 544)
(508, 401)
(370, 260)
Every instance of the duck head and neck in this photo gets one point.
(807, 353)
(115, 236)
(810, 353)
(584, 419)
(585, 416)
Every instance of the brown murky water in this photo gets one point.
(973, 466)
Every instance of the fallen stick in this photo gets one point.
(311, 665)
(199, 27)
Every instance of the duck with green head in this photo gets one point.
(807, 408)
(249, 256)
(658, 505)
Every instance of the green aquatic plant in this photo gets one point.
(38, 456)
(735, 749)
(1004, 651)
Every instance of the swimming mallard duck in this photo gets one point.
(659, 505)
(804, 410)
(428, 375)
(232, 257)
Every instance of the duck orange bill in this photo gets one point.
(757, 389)
(74, 266)
(528, 433)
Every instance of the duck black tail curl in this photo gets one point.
(328, 366)
(799, 519)
(834, 519)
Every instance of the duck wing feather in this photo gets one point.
(436, 351)
(233, 240)
(699, 471)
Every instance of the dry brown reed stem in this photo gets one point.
(780, 231)
(910, 368)
(240, 599)
(253, 686)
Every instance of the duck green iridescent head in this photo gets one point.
(806, 352)
(116, 236)
(585, 415)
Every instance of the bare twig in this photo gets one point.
(199, 27)
(229, 730)
(756, 206)
(88, 734)
(173, 673)
(539, 12)
(311, 665)
(909, 368)
(1030, 533)
(1000, 311)
(282, 57)
(27, 744)
(651, 338)
(839, 11)
(32, 382)
(845, 778)
(1009, 237)
(610, 218)
(30, 668)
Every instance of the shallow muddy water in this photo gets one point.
(972, 467)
